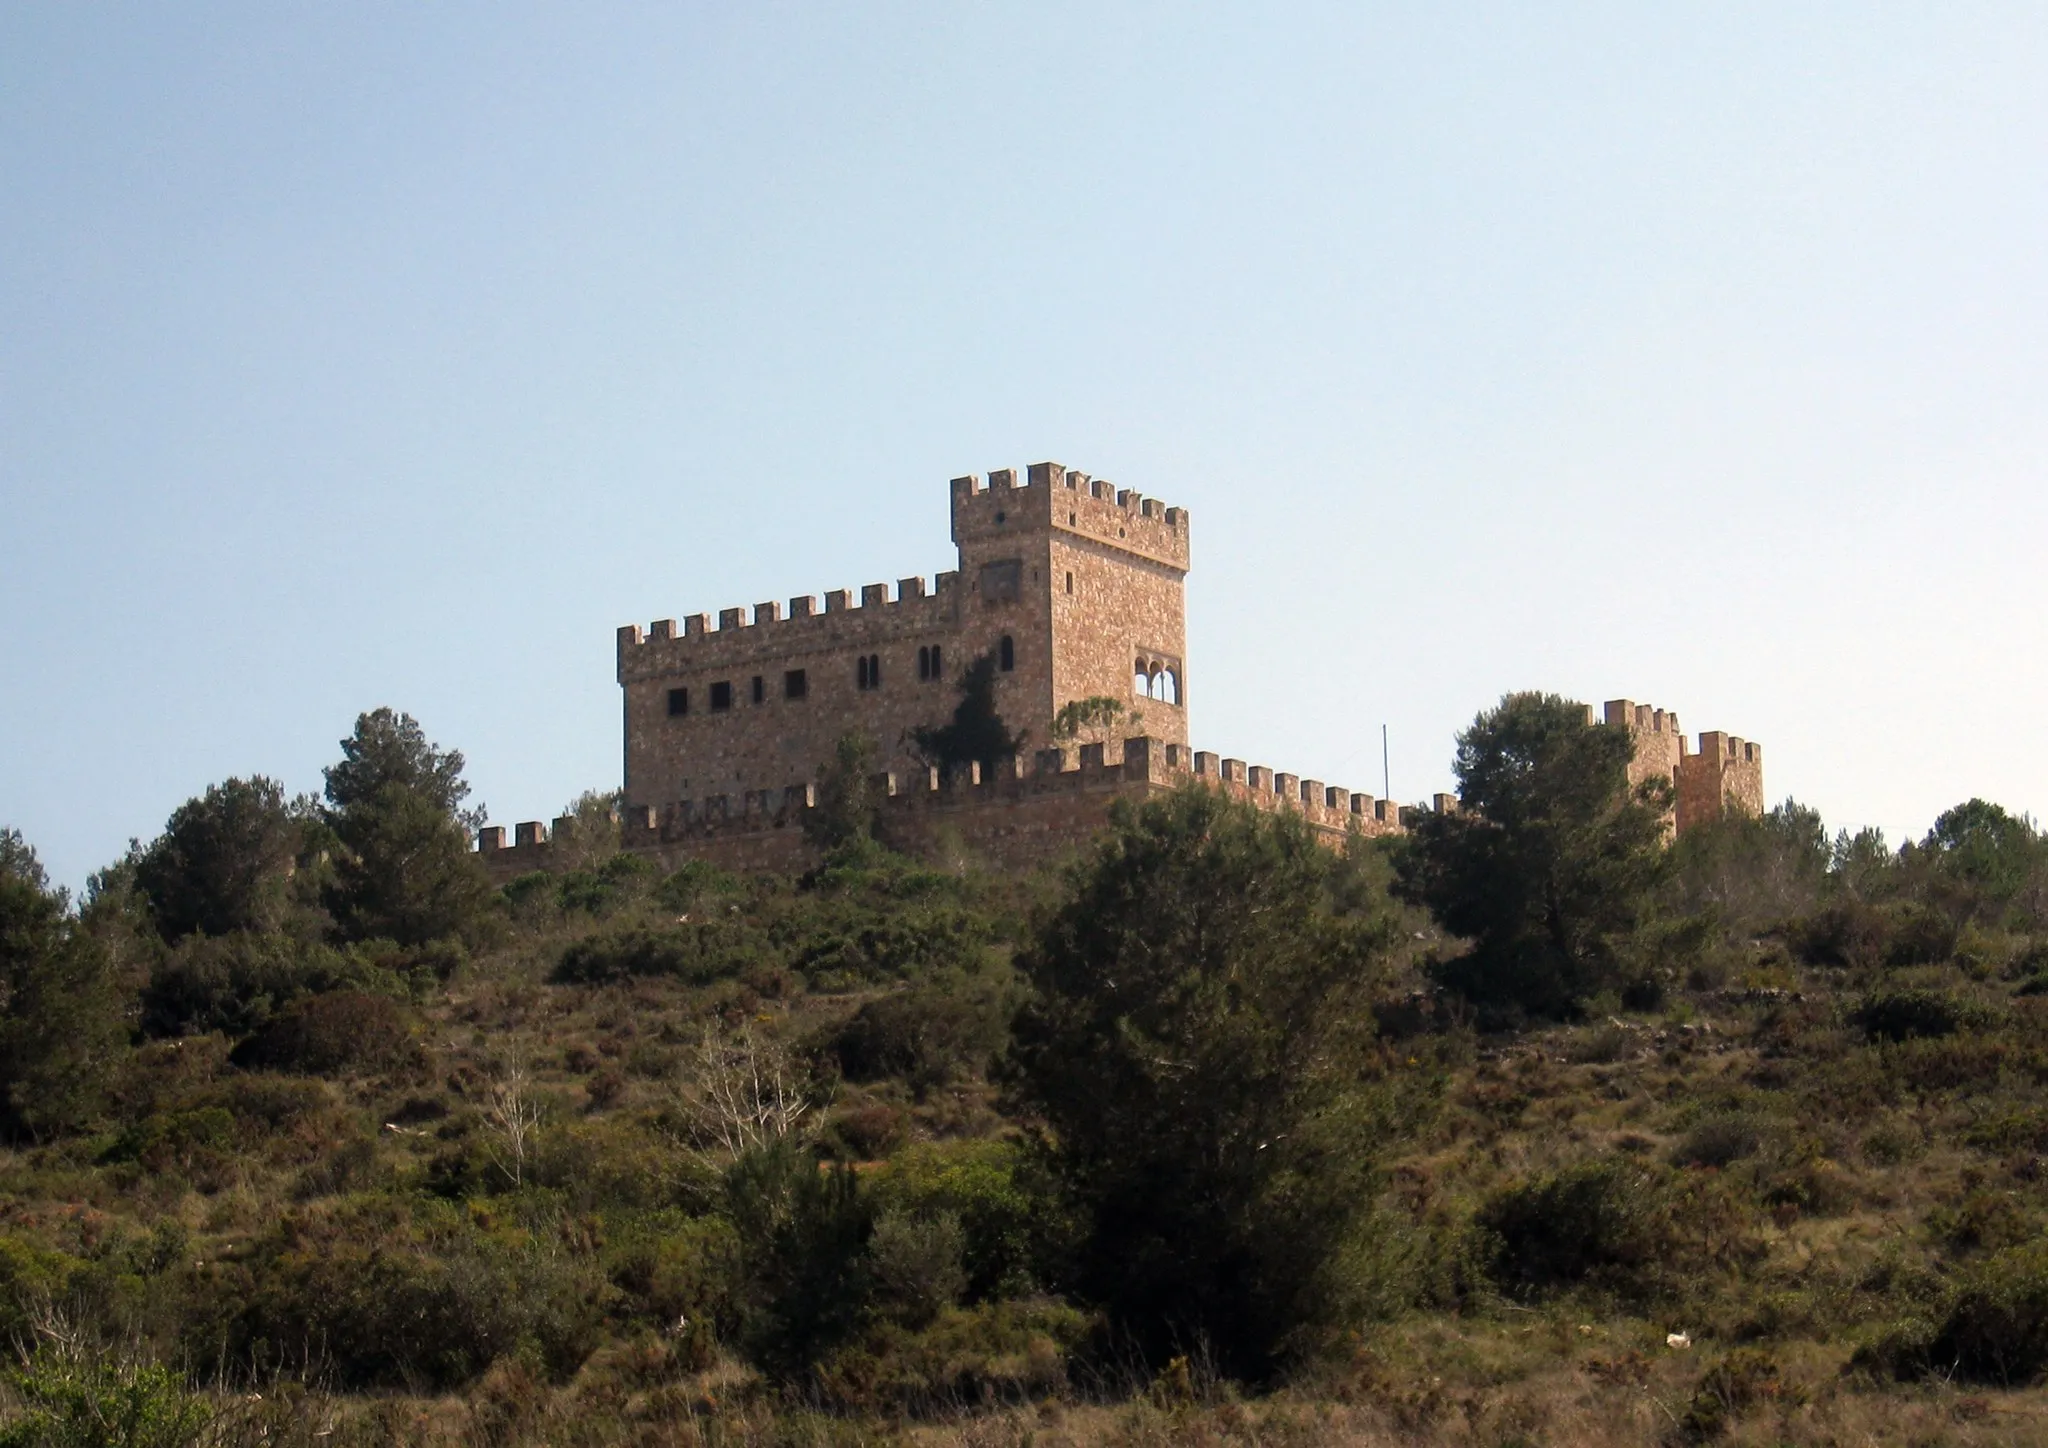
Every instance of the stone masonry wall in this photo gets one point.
(1023, 814)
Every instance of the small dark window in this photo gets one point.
(794, 684)
(1002, 581)
(1006, 655)
(867, 671)
(999, 519)
(721, 697)
(936, 669)
(924, 661)
(678, 703)
(760, 689)
(1070, 583)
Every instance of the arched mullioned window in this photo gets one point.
(1006, 654)
(1140, 679)
(867, 671)
(1169, 686)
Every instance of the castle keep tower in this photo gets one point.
(1073, 586)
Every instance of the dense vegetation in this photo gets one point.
(1527, 1127)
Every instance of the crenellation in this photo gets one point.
(1077, 586)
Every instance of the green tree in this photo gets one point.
(1751, 872)
(844, 818)
(1550, 864)
(977, 733)
(1981, 857)
(404, 870)
(62, 1011)
(389, 748)
(1196, 1049)
(225, 860)
(806, 1281)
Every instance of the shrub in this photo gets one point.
(804, 1261)
(1847, 933)
(1902, 1015)
(1609, 1223)
(866, 1132)
(994, 1353)
(916, 1263)
(929, 1035)
(386, 1304)
(76, 1399)
(328, 1033)
(234, 984)
(1993, 1328)
(695, 954)
(674, 1269)
(1737, 1383)
(1005, 1208)
(600, 891)
(1718, 1141)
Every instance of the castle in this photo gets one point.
(1074, 589)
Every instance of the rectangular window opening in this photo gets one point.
(678, 703)
(794, 684)
(760, 689)
(721, 697)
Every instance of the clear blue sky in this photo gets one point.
(368, 354)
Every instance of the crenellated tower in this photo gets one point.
(1726, 774)
(1075, 587)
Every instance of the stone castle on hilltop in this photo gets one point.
(1074, 589)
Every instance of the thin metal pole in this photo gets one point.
(1386, 775)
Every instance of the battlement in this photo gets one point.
(767, 629)
(1055, 799)
(1057, 499)
(1639, 718)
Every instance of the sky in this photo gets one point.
(395, 354)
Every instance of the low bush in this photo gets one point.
(1718, 1141)
(75, 1398)
(1904, 1015)
(1615, 1225)
(328, 1033)
(1848, 933)
(385, 1300)
(1745, 1378)
(608, 887)
(235, 983)
(1992, 1329)
(946, 1028)
(1006, 1352)
(1008, 1214)
(696, 954)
